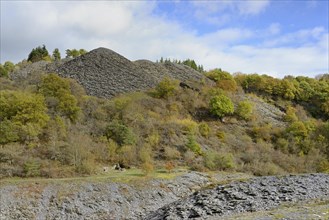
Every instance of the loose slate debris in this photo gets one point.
(258, 194)
(105, 73)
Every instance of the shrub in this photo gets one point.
(166, 88)
(262, 132)
(31, 168)
(147, 167)
(282, 144)
(221, 106)
(153, 139)
(127, 155)
(204, 129)
(171, 153)
(193, 145)
(170, 166)
(217, 161)
(244, 110)
(188, 125)
(323, 166)
(290, 115)
(298, 130)
(120, 133)
(220, 135)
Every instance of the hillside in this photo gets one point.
(158, 115)
(67, 122)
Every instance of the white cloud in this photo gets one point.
(132, 29)
(252, 7)
(97, 18)
(300, 37)
(222, 12)
(274, 28)
(223, 38)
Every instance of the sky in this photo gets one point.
(274, 37)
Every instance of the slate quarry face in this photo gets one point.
(105, 73)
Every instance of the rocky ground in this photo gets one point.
(181, 198)
(257, 194)
(94, 200)
(308, 211)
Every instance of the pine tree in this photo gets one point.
(56, 54)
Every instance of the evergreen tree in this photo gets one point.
(38, 54)
(56, 54)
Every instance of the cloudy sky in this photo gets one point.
(260, 36)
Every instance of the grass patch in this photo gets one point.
(127, 176)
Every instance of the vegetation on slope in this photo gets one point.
(51, 128)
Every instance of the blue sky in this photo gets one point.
(253, 36)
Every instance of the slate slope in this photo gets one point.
(262, 193)
(105, 73)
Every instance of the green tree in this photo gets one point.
(190, 63)
(221, 106)
(23, 116)
(59, 97)
(73, 53)
(38, 54)
(56, 54)
(9, 66)
(82, 52)
(223, 79)
(3, 71)
(120, 133)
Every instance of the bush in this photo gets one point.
(323, 166)
(171, 153)
(32, 168)
(193, 145)
(204, 129)
(221, 106)
(188, 125)
(166, 88)
(145, 155)
(127, 155)
(244, 110)
(290, 115)
(120, 133)
(217, 161)
(169, 166)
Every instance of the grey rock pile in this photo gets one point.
(258, 194)
(105, 73)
